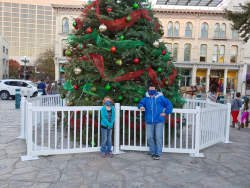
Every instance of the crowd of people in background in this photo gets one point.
(48, 87)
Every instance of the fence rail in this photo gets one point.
(50, 127)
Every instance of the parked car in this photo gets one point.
(8, 88)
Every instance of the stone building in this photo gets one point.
(203, 42)
(64, 14)
(4, 57)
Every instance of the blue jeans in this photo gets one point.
(155, 145)
(106, 139)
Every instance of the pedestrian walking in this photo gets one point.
(42, 86)
(54, 89)
(213, 94)
(235, 109)
(49, 88)
(245, 114)
(156, 106)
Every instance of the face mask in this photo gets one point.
(108, 103)
(151, 92)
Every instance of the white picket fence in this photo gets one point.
(201, 124)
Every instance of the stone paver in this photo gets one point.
(224, 165)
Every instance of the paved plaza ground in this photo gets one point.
(224, 165)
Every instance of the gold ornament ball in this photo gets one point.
(118, 62)
(69, 103)
(156, 44)
(77, 71)
(103, 28)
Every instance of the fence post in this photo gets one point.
(29, 141)
(117, 129)
(197, 134)
(23, 116)
(227, 124)
(28, 93)
(17, 98)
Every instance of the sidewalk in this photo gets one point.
(224, 165)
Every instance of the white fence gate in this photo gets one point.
(199, 125)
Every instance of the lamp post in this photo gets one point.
(25, 60)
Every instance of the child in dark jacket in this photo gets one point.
(108, 118)
(235, 109)
(156, 106)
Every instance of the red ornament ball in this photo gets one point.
(75, 87)
(168, 63)
(109, 10)
(77, 112)
(178, 120)
(89, 30)
(136, 61)
(76, 27)
(164, 52)
(113, 49)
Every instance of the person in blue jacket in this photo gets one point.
(156, 106)
(108, 118)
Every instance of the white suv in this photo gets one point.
(8, 88)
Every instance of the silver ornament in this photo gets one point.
(103, 28)
(145, 4)
(93, 8)
(156, 44)
(77, 71)
(118, 1)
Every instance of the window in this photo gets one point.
(236, 8)
(7, 9)
(15, 5)
(15, 19)
(64, 47)
(40, 7)
(216, 30)
(175, 53)
(48, 17)
(215, 54)
(187, 52)
(7, 24)
(222, 53)
(24, 6)
(169, 47)
(176, 29)
(13, 83)
(3, 49)
(32, 6)
(204, 29)
(223, 31)
(24, 10)
(234, 52)
(3, 61)
(6, 61)
(40, 12)
(203, 53)
(40, 17)
(170, 29)
(7, 51)
(65, 28)
(48, 8)
(48, 13)
(7, 14)
(235, 34)
(7, 4)
(32, 16)
(15, 10)
(15, 14)
(24, 15)
(188, 32)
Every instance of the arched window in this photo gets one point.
(204, 29)
(65, 26)
(176, 29)
(234, 52)
(170, 29)
(222, 54)
(187, 52)
(169, 47)
(223, 31)
(216, 30)
(215, 54)
(203, 53)
(175, 52)
(188, 32)
(64, 47)
(235, 34)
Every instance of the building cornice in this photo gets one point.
(209, 65)
(188, 11)
(61, 6)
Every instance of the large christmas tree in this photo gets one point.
(114, 50)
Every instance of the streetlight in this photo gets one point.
(25, 60)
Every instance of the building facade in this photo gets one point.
(29, 26)
(205, 45)
(65, 16)
(4, 58)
